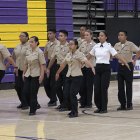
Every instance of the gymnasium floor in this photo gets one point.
(49, 124)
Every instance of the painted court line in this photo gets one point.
(83, 123)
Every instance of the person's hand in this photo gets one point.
(134, 62)
(93, 70)
(56, 76)
(128, 66)
(40, 79)
(16, 71)
(48, 72)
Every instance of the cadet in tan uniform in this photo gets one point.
(59, 54)
(73, 80)
(86, 90)
(102, 52)
(82, 35)
(18, 55)
(33, 73)
(49, 82)
(5, 54)
(125, 49)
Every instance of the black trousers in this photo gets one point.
(101, 84)
(30, 91)
(86, 90)
(19, 84)
(49, 84)
(2, 73)
(60, 84)
(72, 87)
(125, 79)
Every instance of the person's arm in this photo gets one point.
(122, 60)
(137, 56)
(41, 77)
(50, 65)
(89, 56)
(90, 65)
(62, 66)
(24, 70)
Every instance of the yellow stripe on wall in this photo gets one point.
(37, 25)
(36, 4)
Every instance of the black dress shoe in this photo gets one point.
(38, 106)
(50, 104)
(58, 107)
(82, 106)
(69, 113)
(25, 108)
(32, 113)
(121, 108)
(97, 111)
(63, 109)
(103, 111)
(19, 106)
(73, 115)
(130, 108)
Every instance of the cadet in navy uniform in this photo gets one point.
(74, 59)
(59, 54)
(125, 49)
(102, 52)
(86, 90)
(49, 81)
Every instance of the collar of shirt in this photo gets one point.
(125, 44)
(104, 44)
(65, 45)
(26, 44)
(36, 50)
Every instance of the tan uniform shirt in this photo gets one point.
(4, 53)
(19, 55)
(126, 50)
(60, 52)
(80, 41)
(49, 48)
(33, 61)
(86, 48)
(74, 62)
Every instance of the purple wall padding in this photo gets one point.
(64, 16)
(13, 12)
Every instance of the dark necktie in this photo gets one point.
(101, 46)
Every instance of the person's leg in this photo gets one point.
(105, 81)
(66, 103)
(97, 89)
(121, 89)
(89, 87)
(53, 97)
(129, 81)
(82, 91)
(33, 93)
(46, 83)
(2, 73)
(26, 93)
(74, 89)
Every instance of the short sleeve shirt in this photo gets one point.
(74, 62)
(19, 54)
(103, 52)
(33, 61)
(4, 53)
(126, 50)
